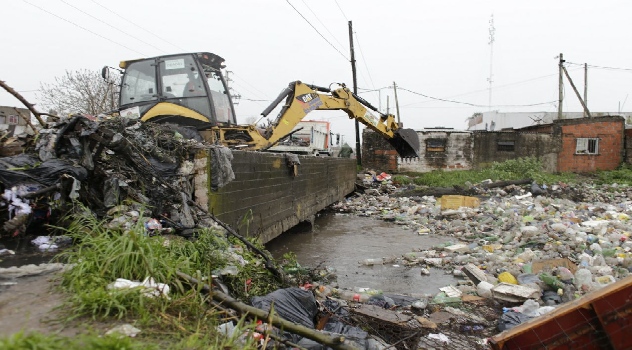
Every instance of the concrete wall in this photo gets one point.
(628, 146)
(496, 120)
(377, 153)
(456, 153)
(266, 191)
(609, 130)
(492, 147)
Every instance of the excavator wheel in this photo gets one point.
(406, 143)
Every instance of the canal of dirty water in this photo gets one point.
(341, 241)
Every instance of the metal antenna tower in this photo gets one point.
(492, 31)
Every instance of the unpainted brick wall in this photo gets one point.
(377, 153)
(267, 194)
(628, 146)
(609, 131)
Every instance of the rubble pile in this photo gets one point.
(529, 253)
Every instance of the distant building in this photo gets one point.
(12, 124)
(566, 145)
(13, 130)
(496, 121)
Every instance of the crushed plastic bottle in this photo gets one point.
(371, 262)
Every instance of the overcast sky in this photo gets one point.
(433, 48)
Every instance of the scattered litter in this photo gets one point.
(149, 286)
(439, 336)
(126, 330)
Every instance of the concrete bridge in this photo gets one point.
(267, 196)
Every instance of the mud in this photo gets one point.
(341, 241)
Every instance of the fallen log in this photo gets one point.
(335, 342)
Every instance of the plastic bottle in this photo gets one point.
(551, 281)
(353, 296)
(371, 262)
(323, 291)
(484, 289)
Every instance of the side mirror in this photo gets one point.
(105, 73)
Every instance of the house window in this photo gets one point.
(506, 146)
(435, 145)
(13, 119)
(587, 146)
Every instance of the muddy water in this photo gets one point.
(341, 241)
(25, 252)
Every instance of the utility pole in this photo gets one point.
(492, 31)
(579, 97)
(388, 109)
(355, 91)
(399, 122)
(561, 87)
(235, 97)
(585, 86)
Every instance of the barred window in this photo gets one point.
(435, 145)
(587, 146)
(506, 146)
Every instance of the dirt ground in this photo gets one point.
(31, 305)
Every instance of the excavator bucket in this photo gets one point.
(406, 143)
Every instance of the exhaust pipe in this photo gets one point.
(406, 143)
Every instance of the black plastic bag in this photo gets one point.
(510, 319)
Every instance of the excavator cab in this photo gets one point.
(187, 89)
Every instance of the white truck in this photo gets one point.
(308, 137)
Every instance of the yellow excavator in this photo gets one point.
(189, 89)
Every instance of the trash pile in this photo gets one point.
(103, 166)
(524, 253)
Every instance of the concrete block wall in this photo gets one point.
(266, 199)
(544, 146)
(609, 131)
(457, 154)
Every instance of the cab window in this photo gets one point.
(221, 103)
(139, 83)
(181, 78)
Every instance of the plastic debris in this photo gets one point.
(126, 330)
(149, 286)
(440, 337)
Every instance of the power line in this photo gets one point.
(321, 23)
(127, 20)
(471, 104)
(363, 60)
(109, 25)
(86, 29)
(340, 8)
(600, 67)
(308, 22)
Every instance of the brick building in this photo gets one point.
(567, 145)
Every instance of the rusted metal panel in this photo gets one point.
(600, 320)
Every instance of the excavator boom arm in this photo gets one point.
(301, 99)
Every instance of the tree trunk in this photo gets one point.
(336, 342)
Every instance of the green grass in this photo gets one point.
(622, 176)
(516, 169)
(185, 319)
